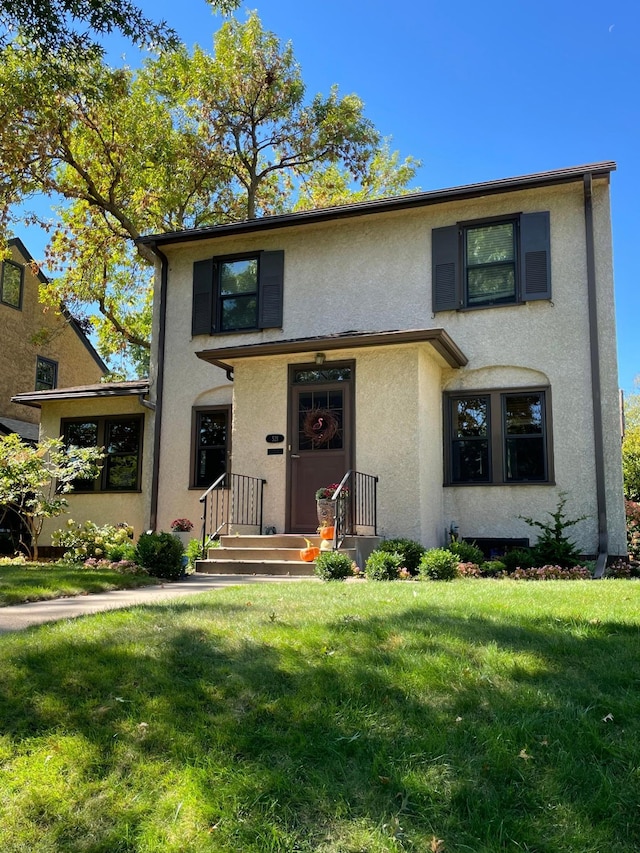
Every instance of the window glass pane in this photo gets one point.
(523, 414)
(123, 436)
(211, 449)
(470, 417)
(122, 472)
(490, 244)
(525, 459)
(211, 464)
(239, 313)
(212, 429)
(239, 277)
(330, 374)
(11, 284)
(470, 461)
(46, 374)
(81, 434)
(491, 284)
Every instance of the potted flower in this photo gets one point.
(325, 506)
(181, 529)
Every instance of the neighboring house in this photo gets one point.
(461, 342)
(40, 348)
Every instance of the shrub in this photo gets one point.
(123, 567)
(333, 566)
(194, 550)
(469, 570)
(83, 541)
(517, 558)
(161, 554)
(632, 512)
(466, 552)
(439, 564)
(553, 546)
(492, 567)
(410, 551)
(383, 566)
(553, 573)
(622, 569)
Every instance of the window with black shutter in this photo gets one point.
(489, 263)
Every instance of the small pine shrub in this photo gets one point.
(383, 566)
(554, 548)
(439, 564)
(161, 554)
(410, 551)
(333, 566)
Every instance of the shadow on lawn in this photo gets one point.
(414, 723)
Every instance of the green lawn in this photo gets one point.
(339, 718)
(21, 582)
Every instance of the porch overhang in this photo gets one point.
(135, 387)
(440, 340)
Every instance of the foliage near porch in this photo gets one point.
(313, 717)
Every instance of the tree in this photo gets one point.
(53, 25)
(631, 448)
(33, 481)
(190, 140)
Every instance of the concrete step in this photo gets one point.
(255, 567)
(275, 540)
(278, 554)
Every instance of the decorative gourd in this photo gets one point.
(326, 532)
(308, 554)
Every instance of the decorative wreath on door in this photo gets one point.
(320, 425)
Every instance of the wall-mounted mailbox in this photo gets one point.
(275, 451)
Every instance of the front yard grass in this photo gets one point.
(340, 718)
(22, 582)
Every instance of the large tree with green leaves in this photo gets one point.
(192, 139)
(631, 448)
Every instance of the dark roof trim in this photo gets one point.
(438, 338)
(26, 254)
(81, 392)
(405, 202)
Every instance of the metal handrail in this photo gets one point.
(231, 499)
(355, 505)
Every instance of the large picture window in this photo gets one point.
(211, 445)
(11, 284)
(498, 437)
(121, 438)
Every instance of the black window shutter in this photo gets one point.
(535, 256)
(271, 290)
(202, 319)
(444, 273)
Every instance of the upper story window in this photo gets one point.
(491, 262)
(238, 292)
(11, 284)
(46, 374)
(498, 437)
(121, 438)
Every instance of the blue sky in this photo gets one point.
(476, 91)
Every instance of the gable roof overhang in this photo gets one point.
(137, 387)
(572, 174)
(441, 342)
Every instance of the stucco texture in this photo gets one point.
(373, 273)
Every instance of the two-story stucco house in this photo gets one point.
(40, 348)
(458, 345)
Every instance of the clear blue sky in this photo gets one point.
(476, 91)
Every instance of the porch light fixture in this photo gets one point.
(320, 358)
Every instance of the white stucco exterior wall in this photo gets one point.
(373, 273)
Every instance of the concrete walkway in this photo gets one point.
(36, 613)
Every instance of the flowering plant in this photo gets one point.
(326, 492)
(181, 525)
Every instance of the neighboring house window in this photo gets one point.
(498, 437)
(494, 262)
(211, 445)
(46, 374)
(236, 293)
(11, 282)
(121, 438)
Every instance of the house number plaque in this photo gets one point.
(274, 438)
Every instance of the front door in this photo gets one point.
(320, 430)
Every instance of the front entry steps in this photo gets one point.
(277, 554)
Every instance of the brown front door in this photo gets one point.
(320, 430)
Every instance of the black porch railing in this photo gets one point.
(355, 506)
(233, 500)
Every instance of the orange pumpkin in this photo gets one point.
(326, 532)
(309, 554)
